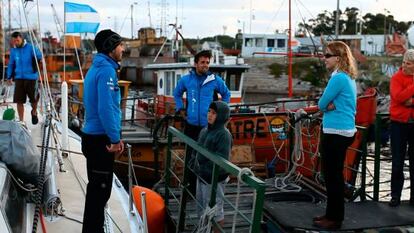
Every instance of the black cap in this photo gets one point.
(106, 41)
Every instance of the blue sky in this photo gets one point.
(208, 18)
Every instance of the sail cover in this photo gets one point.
(18, 152)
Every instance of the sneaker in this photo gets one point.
(35, 120)
(394, 202)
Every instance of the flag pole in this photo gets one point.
(64, 89)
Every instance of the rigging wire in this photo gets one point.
(275, 15)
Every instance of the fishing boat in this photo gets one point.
(275, 164)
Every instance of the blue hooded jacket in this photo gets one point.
(200, 90)
(102, 99)
(21, 62)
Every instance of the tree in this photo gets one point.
(351, 21)
(324, 23)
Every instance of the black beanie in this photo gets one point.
(106, 41)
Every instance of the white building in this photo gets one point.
(264, 45)
(211, 45)
(371, 45)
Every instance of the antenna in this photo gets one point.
(163, 24)
(57, 21)
(149, 14)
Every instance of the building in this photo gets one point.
(369, 45)
(211, 45)
(264, 45)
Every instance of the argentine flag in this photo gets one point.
(80, 18)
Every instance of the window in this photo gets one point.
(168, 80)
(248, 42)
(259, 42)
(177, 78)
(233, 81)
(281, 43)
(271, 43)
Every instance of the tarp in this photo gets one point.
(18, 152)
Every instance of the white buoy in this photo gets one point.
(64, 117)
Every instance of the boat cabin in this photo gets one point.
(168, 74)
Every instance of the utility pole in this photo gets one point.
(385, 29)
(149, 14)
(251, 16)
(132, 21)
(1, 43)
(10, 27)
(337, 20)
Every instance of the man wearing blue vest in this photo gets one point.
(23, 69)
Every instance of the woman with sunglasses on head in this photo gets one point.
(338, 104)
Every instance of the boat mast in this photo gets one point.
(290, 52)
(2, 48)
(337, 20)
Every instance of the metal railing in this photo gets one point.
(218, 162)
(377, 153)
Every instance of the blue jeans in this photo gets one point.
(402, 135)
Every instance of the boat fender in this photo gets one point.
(9, 114)
(155, 208)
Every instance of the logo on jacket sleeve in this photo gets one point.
(110, 84)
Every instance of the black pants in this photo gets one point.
(99, 163)
(192, 131)
(333, 155)
(402, 135)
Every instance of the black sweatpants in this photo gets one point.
(334, 148)
(192, 131)
(99, 163)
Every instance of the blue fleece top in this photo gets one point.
(21, 62)
(102, 99)
(200, 90)
(341, 91)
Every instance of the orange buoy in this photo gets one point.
(155, 208)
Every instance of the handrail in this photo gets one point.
(377, 154)
(252, 181)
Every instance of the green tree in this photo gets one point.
(324, 23)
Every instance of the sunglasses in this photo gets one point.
(328, 55)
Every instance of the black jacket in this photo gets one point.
(217, 139)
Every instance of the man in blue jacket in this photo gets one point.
(200, 86)
(102, 130)
(23, 69)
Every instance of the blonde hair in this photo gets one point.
(346, 61)
(409, 55)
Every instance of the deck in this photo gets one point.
(71, 185)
